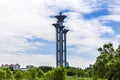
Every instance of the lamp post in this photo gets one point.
(60, 40)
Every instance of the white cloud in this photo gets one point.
(114, 6)
(39, 60)
(78, 61)
(23, 60)
(80, 6)
(112, 17)
(25, 19)
(86, 34)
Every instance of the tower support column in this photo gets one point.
(60, 41)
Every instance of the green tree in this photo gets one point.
(33, 73)
(60, 73)
(88, 71)
(56, 74)
(46, 68)
(9, 73)
(18, 75)
(107, 54)
(71, 71)
(40, 73)
(113, 66)
(27, 75)
(2, 74)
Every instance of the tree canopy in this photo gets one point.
(108, 62)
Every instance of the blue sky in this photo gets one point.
(27, 36)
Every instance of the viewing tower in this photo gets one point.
(61, 50)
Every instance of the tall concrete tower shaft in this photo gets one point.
(61, 51)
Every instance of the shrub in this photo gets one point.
(56, 74)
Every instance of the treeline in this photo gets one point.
(107, 66)
(42, 73)
(31, 74)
